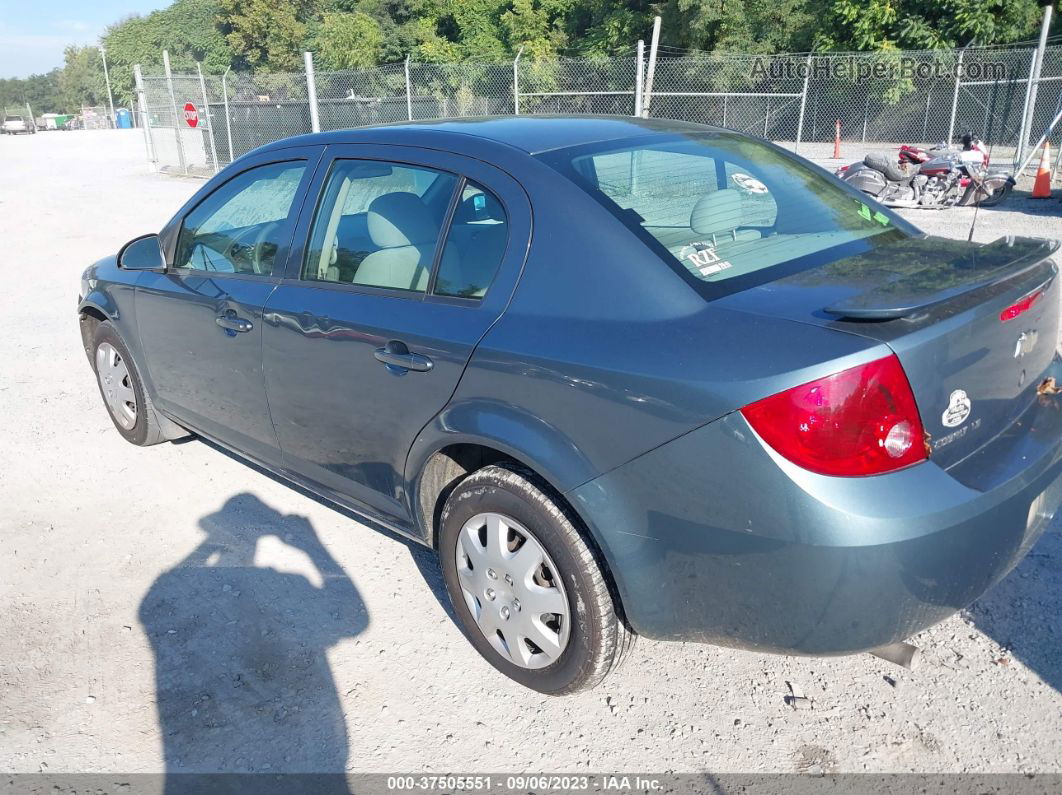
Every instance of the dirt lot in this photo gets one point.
(297, 639)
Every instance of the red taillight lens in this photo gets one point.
(861, 421)
(1022, 306)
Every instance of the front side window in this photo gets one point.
(378, 225)
(241, 226)
(720, 206)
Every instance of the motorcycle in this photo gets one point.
(936, 178)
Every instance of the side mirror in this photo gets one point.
(142, 254)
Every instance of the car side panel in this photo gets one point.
(605, 353)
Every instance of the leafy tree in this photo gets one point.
(40, 92)
(266, 34)
(188, 29)
(924, 24)
(81, 81)
(348, 41)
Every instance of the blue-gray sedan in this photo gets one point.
(627, 377)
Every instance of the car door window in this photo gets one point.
(476, 242)
(378, 224)
(241, 226)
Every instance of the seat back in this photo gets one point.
(401, 225)
(719, 214)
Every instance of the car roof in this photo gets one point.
(530, 134)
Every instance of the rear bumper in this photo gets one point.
(714, 538)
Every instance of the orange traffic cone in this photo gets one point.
(1042, 186)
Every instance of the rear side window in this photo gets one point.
(378, 224)
(724, 208)
(476, 243)
(241, 226)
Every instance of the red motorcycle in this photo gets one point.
(937, 178)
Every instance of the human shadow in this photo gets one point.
(1023, 613)
(242, 679)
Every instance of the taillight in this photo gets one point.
(1020, 307)
(861, 421)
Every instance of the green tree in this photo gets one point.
(40, 92)
(924, 24)
(81, 80)
(188, 29)
(348, 41)
(265, 34)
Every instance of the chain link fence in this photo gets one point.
(195, 124)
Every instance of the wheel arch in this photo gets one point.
(89, 316)
(442, 456)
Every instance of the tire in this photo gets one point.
(143, 428)
(590, 645)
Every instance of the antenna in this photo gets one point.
(979, 193)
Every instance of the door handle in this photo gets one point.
(233, 323)
(396, 354)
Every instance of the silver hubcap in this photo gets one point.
(513, 590)
(117, 388)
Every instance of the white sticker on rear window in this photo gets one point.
(702, 258)
(749, 183)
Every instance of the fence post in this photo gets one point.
(176, 118)
(1038, 62)
(516, 81)
(803, 104)
(925, 118)
(955, 96)
(654, 45)
(640, 65)
(228, 119)
(1024, 131)
(409, 93)
(141, 100)
(311, 92)
(210, 121)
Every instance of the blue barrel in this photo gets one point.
(123, 118)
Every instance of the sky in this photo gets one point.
(33, 33)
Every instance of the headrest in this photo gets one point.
(482, 206)
(400, 219)
(717, 212)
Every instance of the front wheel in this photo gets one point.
(128, 404)
(998, 195)
(527, 589)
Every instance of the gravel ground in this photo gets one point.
(296, 638)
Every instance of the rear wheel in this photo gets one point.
(526, 587)
(123, 393)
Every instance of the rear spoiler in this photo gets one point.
(917, 288)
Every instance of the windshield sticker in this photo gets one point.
(749, 183)
(702, 258)
(957, 411)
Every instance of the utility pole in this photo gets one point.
(654, 44)
(107, 78)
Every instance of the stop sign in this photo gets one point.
(191, 115)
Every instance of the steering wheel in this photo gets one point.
(237, 252)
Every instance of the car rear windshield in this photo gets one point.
(725, 210)
(12, 118)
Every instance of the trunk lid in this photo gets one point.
(937, 304)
